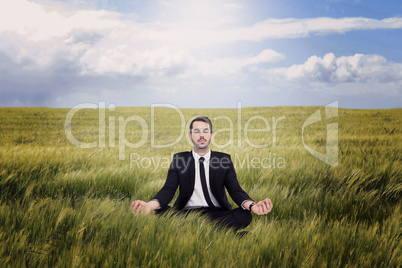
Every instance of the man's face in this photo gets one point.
(201, 135)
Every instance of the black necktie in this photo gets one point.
(204, 183)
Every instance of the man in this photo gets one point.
(202, 176)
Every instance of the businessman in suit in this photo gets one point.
(202, 176)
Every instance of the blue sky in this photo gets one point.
(201, 54)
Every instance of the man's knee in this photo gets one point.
(243, 217)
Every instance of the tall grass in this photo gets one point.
(62, 205)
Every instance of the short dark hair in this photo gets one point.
(203, 119)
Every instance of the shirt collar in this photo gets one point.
(196, 156)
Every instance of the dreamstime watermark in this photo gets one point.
(248, 128)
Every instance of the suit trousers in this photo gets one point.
(234, 219)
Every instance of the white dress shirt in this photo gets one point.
(197, 199)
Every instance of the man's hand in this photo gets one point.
(141, 207)
(262, 207)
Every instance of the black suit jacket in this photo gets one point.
(182, 174)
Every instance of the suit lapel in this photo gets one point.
(191, 173)
(211, 170)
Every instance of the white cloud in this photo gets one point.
(100, 42)
(233, 6)
(37, 36)
(329, 69)
(233, 65)
(296, 28)
(123, 59)
(39, 23)
(99, 47)
(196, 14)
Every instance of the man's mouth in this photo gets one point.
(202, 140)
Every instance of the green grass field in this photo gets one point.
(63, 205)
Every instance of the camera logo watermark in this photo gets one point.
(331, 149)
